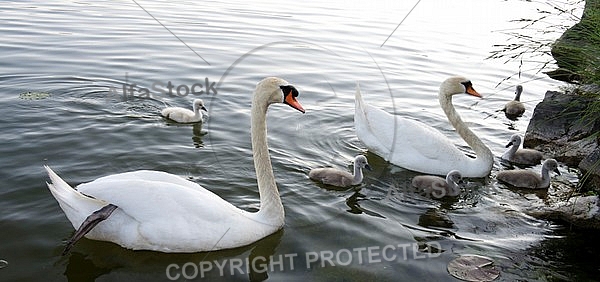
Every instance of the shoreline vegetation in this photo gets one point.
(577, 57)
(566, 124)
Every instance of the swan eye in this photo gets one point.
(289, 97)
(469, 88)
(287, 89)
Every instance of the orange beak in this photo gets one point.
(291, 100)
(472, 91)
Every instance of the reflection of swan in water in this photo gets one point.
(153, 210)
(113, 257)
(419, 147)
(93, 270)
(197, 133)
(353, 203)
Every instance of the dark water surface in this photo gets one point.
(84, 53)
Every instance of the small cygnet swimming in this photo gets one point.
(521, 156)
(182, 115)
(522, 178)
(438, 187)
(340, 178)
(514, 109)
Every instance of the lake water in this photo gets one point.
(84, 53)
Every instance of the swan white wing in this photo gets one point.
(166, 216)
(180, 115)
(422, 143)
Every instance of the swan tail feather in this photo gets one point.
(359, 104)
(76, 205)
(360, 115)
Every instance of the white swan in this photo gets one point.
(340, 178)
(515, 108)
(182, 115)
(522, 178)
(153, 210)
(417, 146)
(438, 187)
(521, 156)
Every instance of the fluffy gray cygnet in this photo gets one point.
(521, 156)
(515, 108)
(522, 178)
(340, 178)
(438, 187)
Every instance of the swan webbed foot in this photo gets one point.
(88, 224)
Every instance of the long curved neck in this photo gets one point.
(453, 189)
(481, 150)
(270, 202)
(545, 177)
(358, 176)
(518, 95)
(196, 110)
(511, 151)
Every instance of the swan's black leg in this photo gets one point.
(89, 223)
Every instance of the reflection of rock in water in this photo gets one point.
(435, 218)
(473, 268)
(566, 256)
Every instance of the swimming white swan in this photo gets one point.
(521, 156)
(419, 147)
(438, 187)
(182, 115)
(528, 179)
(153, 210)
(515, 108)
(340, 178)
